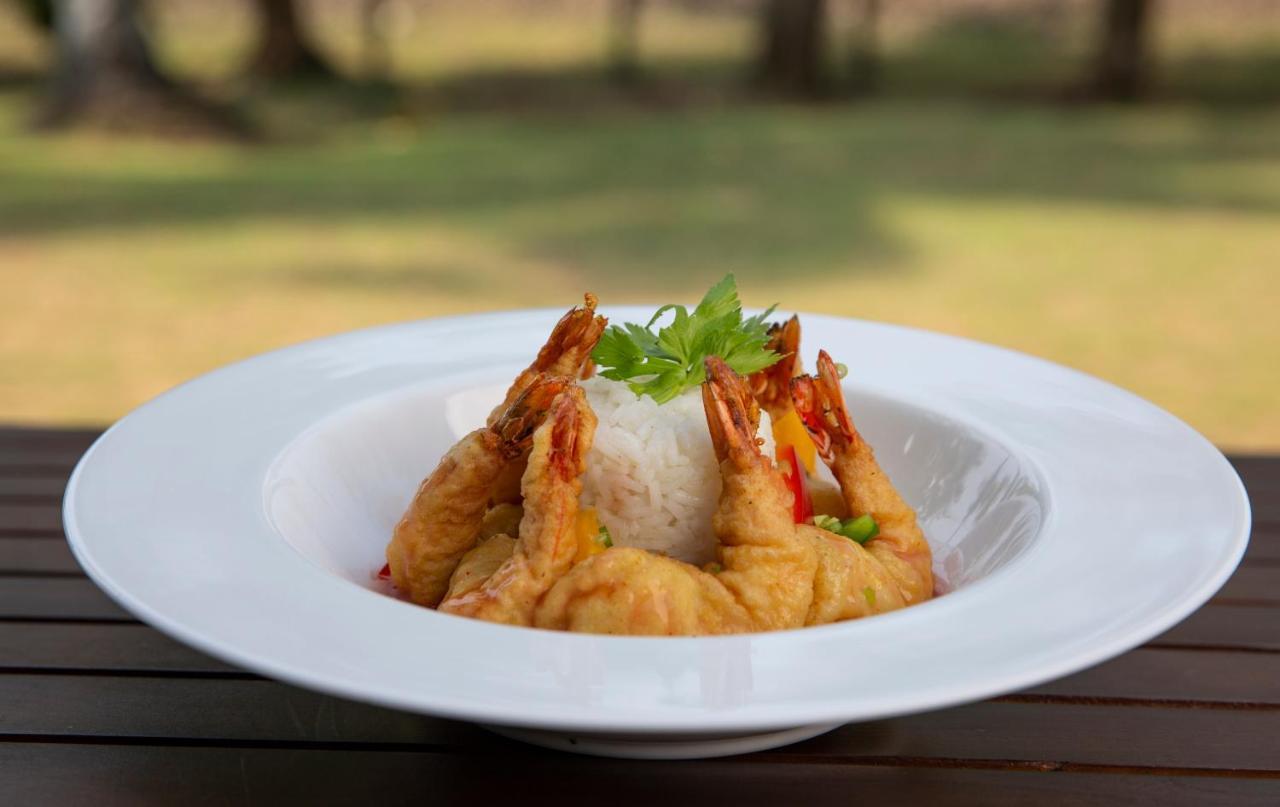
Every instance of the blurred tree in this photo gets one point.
(624, 39)
(39, 12)
(105, 75)
(284, 51)
(373, 27)
(1121, 63)
(864, 48)
(792, 54)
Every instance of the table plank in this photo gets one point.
(38, 438)
(69, 598)
(1226, 626)
(1253, 583)
(32, 489)
(230, 711)
(35, 518)
(150, 774)
(1264, 543)
(124, 647)
(1152, 674)
(36, 556)
(1157, 674)
(26, 463)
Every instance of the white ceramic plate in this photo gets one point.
(245, 512)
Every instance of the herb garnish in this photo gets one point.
(603, 538)
(860, 529)
(666, 363)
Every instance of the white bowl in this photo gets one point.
(245, 513)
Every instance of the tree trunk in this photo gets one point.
(373, 28)
(864, 49)
(624, 39)
(39, 12)
(283, 49)
(1122, 59)
(792, 55)
(105, 77)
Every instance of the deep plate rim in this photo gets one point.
(743, 717)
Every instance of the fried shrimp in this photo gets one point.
(449, 509)
(567, 351)
(772, 385)
(502, 580)
(891, 570)
(763, 580)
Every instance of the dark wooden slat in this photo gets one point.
(1151, 674)
(1265, 504)
(16, 462)
(1264, 544)
(1254, 583)
(32, 490)
(1227, 626)
(123, 647)
(31, 517)
(224, 710)
(48, 774)
(56, 598)
(1175, 675)
(42, 439)
(1079, 734)
(36, 556)
(230, 711)
(1257, 467)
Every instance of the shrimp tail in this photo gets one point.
(515, 426)
(820, 403)
(567, 351)
(772, 385)
(733, 415)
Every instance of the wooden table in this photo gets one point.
(97, 708)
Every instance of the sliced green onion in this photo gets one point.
(870, 594)
(828, 523)
(842, 370)
(714, 568)
(861, 529)
(604, 538)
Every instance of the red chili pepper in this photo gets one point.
(385, 572)
(802, 511)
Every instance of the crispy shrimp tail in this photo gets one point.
(514, 427)
(772, 385)
(819, 401)
(567, 351)
(733, 416)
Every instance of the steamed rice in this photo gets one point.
(652, 474)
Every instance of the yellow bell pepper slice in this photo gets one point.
(789, 431)
(587, 530)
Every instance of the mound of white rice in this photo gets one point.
(652, 474)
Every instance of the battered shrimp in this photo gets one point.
(766, 567)
(502, 580)
(567, 351)
(893, 569)
(446, 515)
(772, 385)
(772, 388)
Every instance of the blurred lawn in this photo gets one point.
(1140, 245)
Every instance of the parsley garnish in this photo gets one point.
(666, 363)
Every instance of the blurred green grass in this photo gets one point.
(1141, 245)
